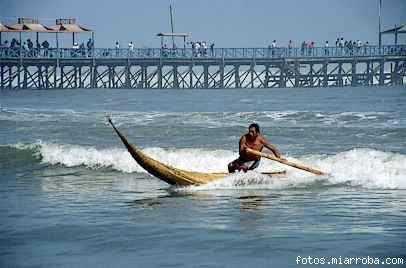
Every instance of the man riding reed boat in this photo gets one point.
(250, 146)
(255, 141)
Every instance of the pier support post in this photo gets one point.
(382, 72)
(282, 78)
(40, 79)
(10, 75)
(267, 76)
(19, 77)
(297, 74)
(81, 81)
(206, 75)
(252, 70)
(237, 76)
(325, 74)
(175, 77)
(354, 76)
(340, 74)
(145, 76)
(2, 77)
(113, 76)
(191, 76)
(311, 78)
(62, 78)
(222, 74)
(76, 75)
(127, 75)
(94, 76)
(368, 79)
(141, 83)
(160, 76)
(25, 78)
(55, 76)
(395, 75)
(110, 76)
(47, 77)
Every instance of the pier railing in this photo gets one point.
(209, 53)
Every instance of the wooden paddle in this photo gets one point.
(286, 162)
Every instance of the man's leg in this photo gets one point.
(233, 166)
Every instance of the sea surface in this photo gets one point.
(71, 195)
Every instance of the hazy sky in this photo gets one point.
(227, 23)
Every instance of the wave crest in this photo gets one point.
(363, 167)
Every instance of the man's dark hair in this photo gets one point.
(256, 126)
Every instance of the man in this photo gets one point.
(326, 51)
(273, 46)
(75, 50)
(253, 140)
(89, 46)
(117, 49)
(131, 48)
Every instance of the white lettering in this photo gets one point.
(367, 260)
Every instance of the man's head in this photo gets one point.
(253, 130)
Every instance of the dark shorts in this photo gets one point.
(251, 165)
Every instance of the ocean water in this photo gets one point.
(71, 196)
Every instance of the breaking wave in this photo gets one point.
(361, 167)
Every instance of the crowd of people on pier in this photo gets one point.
(341, 47)
(44, 49)
(27, 45)
(310, 48)
(199, 49)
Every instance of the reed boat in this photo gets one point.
(172, 175)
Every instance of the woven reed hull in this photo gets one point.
(170, 174)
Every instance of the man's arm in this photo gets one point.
(243, 145)
(271, 147)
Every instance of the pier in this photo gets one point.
(186, 68)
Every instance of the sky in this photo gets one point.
(226, 23)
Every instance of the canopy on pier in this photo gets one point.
(173, 35)
(395, 31)
(29, 25)
(5, 28)
(398, 29)
(69, 26)
(33, 26)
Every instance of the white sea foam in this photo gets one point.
(209, 119)
(366, 168)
